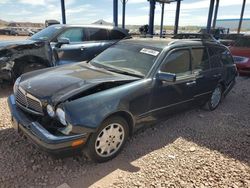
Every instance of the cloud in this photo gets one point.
(33, 2)
(137, 1)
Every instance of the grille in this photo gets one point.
(28, 102)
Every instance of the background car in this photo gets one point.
(56, 45)
(240, 50)
(132, 83)
(203, 36)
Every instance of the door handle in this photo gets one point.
(191, 83)
(82, 48)
(217, 75)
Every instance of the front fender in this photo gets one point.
(90, 111)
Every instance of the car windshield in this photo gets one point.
(127, 59)
(46, 33)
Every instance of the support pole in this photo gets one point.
(151, 16)
(123, 12)
(177, 16)
(241, 15)
(63, 12)
(162, 17)
(216, 12)
(210, 15)
(115, 12)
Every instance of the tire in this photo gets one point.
(32, 67)
(22, 68)
(215, 98)
(101, 148)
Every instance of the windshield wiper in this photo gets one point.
(121, 71)
(130, 72)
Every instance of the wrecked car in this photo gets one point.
(55, 45)
(97, 106)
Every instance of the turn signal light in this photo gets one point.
(77, 143)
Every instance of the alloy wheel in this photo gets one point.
(109, 140)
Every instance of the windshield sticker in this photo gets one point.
(149, 51)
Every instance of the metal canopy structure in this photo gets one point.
(152, 13)
(152, 4)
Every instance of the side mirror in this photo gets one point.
(62, 41)
(166, 77)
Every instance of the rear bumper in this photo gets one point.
(39, 135)
(243, 68)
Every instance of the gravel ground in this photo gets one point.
(195, 148)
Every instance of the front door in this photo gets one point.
(73, 51)
(170, 96)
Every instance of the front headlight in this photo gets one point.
(61, 115)
(16, 85)
(50, 110)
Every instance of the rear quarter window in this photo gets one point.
(116, 35)
(226, 57)
(215, 59)
(200, 59)
(95, 34)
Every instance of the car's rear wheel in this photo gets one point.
(215, 98)
(109, 140)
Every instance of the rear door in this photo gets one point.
(204, 74)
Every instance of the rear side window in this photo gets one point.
(200, 60)
(73, 34)
(115, 35)
(214, 57)
(178, 62)
(97, 34)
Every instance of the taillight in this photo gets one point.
(240, 59)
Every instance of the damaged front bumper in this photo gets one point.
(40, 136)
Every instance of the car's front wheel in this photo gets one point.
(215, 98)
(109, 140)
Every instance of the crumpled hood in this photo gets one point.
(64, 81)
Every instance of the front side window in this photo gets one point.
(97, 34)
(200, 60)
(178, 62)
(73, 34)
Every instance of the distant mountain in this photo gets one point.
(102, 22)
(3, 23)
(20, 24)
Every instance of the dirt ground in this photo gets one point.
(195, 148)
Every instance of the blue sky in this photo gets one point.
(193, 12)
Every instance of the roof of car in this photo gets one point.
(93, 26)
(163, 43)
